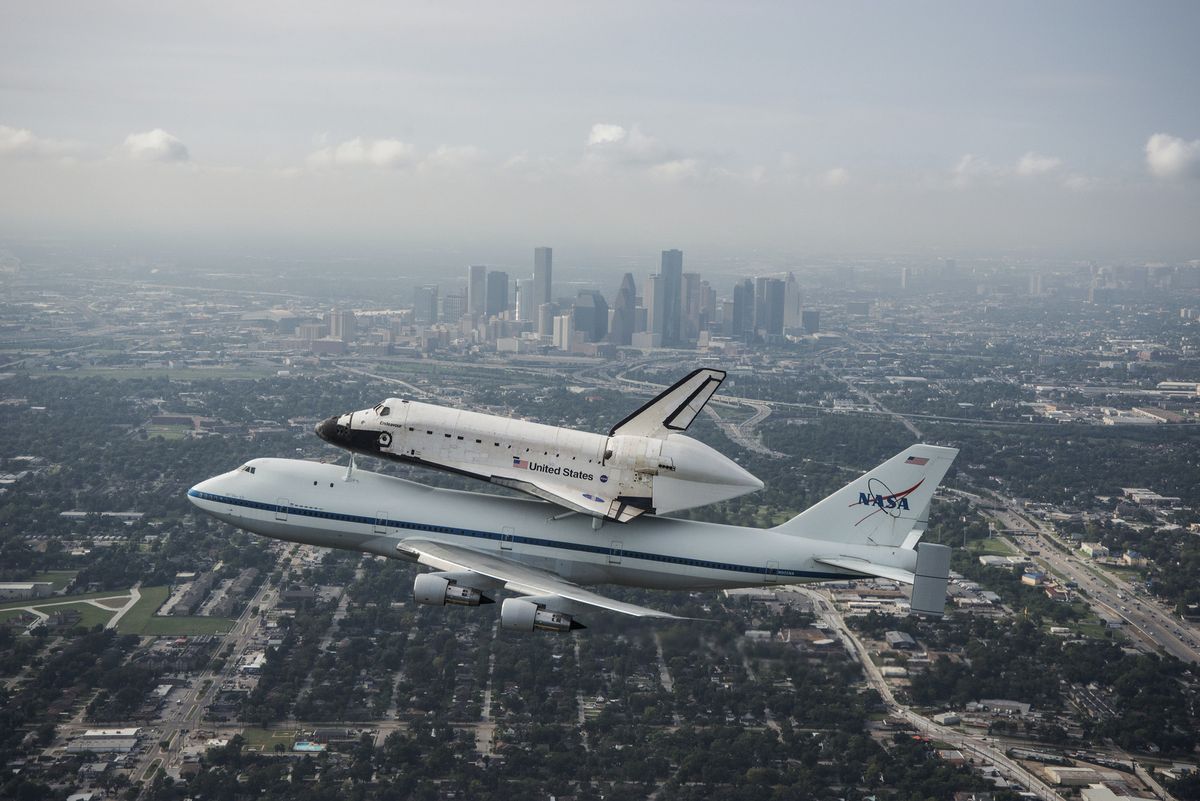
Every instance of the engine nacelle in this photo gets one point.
(520, 615)
(435, 590)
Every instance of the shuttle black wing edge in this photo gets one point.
(520, 578)
(675, 408)
(620, 509)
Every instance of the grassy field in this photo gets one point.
(60, 598)
(9, 614)
(89, 615)
(169, 432)
(142, 620)
(265, 739)
(993, 546)
(59, 578)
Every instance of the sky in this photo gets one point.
(1066, 129)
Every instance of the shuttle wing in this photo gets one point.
(518, 577)
(571, 498)
(674, 409)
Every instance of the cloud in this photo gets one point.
(452, 157)
(974, 169)
(1172, 157)
(156, 145)
(359, 152)
(22, 143)
(675, 170)
(1035, 164)
(611, 145)
(971, 168)
(838, 176)
(605, 134)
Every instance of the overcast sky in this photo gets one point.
(1055, 129)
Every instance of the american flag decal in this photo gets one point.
(519, 462)
(917, 460)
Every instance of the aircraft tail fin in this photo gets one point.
(675, 408)
(886, 506)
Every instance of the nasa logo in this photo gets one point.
(603, 479)
(385, 439)
(881, 499)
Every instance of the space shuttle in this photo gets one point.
(644, 465)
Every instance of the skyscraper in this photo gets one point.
(743, 309)
(543, 282)
(591, 315)
(624, 313)
(497, 293)
(454, 306)
(774, 298)
(476, 289)
(691, 300)
(545, 320)
(425, 304)
(672, 300)
(791, 302)
(655, 302)
(811, 321)
(342, 325)
(526, 309)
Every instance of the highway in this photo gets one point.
(1112, 597)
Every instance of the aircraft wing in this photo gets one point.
(517, 577)
(571, 498)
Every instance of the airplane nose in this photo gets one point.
(196, 494)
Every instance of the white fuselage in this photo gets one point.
(314, 503)
(618, 477)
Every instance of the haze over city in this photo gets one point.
(1064, 130)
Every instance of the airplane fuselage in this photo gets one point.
(314, 503)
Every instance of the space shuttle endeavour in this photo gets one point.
(645, 464)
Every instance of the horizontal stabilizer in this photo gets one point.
(674, 409)
(868, 568)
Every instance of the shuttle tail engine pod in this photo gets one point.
(645, 464)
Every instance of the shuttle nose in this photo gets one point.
(328, 430)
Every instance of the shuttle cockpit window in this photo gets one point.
(384, 411)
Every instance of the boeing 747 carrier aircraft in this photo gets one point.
(477, 544)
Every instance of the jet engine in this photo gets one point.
(521, 615)
(435, 590)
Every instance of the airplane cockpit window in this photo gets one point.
(248, 469)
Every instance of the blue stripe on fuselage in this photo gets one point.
(491, 535)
